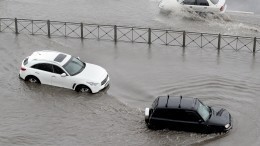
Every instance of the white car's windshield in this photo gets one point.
(204, 111)
(214, 1)
(74, 66)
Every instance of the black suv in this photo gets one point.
(186, 114)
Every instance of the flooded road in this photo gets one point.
(45, 115)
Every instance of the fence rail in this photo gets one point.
(129, 34)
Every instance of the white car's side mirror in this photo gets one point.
(63, 75)
(78, 58)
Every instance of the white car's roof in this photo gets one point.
(50, 56)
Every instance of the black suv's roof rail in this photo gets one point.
(177, 102)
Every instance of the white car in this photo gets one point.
(63, 70)
(212, 6)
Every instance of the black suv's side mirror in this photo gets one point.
(200, 121)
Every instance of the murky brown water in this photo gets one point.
(45, 115)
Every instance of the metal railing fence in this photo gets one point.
(129, 34)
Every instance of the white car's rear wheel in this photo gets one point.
(33, 79)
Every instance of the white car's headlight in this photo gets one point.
(92, 83)
(227, 126)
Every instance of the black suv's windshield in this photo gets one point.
(204, 111)
(74, 66)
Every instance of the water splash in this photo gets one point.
(167, 6)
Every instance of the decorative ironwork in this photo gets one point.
(257, 44)
(237, 43)
(72, 30)
(167, 37)
(39, 27)
(57, 28)
(193, 39)
(106, 32)
(129, 34)
(157, 36)
(25, 26)
(7, 25)
(125, 34)
(90, 31)
(140, 35)
(209, 40)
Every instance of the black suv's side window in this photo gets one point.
(155, 103)
(43, 66)
(192, 116)
(57, 70)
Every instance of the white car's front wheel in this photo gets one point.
(83, 89)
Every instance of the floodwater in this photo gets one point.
(44, 115)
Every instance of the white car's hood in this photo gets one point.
(93, 73)
(221, 3)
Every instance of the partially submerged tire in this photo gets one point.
(83, 89)
(32, 79)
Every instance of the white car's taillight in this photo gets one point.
(222, 8)
(23, 69)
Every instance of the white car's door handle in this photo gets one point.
(53, 76)
(205, 7)
(36, 72)
(190, 6)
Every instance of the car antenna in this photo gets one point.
(180, 102)
(167, 101)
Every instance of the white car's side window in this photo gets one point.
(189, 2)
(43, 67)
(202, 2)
(57, 70)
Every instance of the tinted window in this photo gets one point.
(189, 2)
(203, 110)
(176, 114)
(214, 1)
(74, 66)
(202, 2)
(155, 103)
(60, 57)
(192, 116)
(57, 70)
(25, 61)
(43, 66)
(171, 114)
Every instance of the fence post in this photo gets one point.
(81, 31)
(115, 33)
(219, 41)
(184, 39)
(49, 28)
(16, 25)
(254, 46)
(149, 36)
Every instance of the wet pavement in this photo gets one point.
(45, 115)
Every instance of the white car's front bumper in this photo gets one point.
(96, 89)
